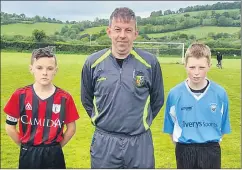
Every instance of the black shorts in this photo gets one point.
(198, 156)
(41, 157)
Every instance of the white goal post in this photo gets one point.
(157, 48)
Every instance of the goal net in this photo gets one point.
(166, 52)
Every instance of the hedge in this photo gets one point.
(22, 46)
(60, 47)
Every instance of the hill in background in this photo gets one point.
(217, 24)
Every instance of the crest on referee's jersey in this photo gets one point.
(213, 107)
(56, 108)
(140, 81)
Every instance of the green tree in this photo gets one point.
(39, 35)
(22, 16)
(64, 30)
(224, 21)
(37, 18)
(186, 15)
(183, 36)
(73, 35)
(44, 19)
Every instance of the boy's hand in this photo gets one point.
(13, 133)
(70, 131)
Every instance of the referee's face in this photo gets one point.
(122, 35)
(197, 71)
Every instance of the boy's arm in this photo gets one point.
(70, 118)
(157, 90)
(13, 133)
(70, 131)
(87, 94)
(168, 121)
(12, 112)
(225, 126)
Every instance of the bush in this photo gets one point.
(86, 49)
(60, 47)
(227, 51)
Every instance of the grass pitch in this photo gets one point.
(15, 74)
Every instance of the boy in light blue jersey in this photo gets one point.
(197, 113)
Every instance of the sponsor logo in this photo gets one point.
(139, 81)
(28, 106)
(187, 108)
(101, 79)
(198, 124)
(213, 107)
(56, 108)
(41, 122)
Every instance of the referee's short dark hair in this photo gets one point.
(124, 14)
(43, 52)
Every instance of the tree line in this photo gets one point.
(161, 23)
(22, 18)
(217, 6)
(228, 18)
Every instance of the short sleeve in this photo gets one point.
(225, 127)
(168, 122)
(71, 111)
(12, 107)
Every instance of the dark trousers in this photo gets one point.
(119, 151)
(41, 157)
(219, 63)
(198, 156)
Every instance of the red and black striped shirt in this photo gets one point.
(41, 121)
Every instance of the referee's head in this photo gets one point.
(124, 14)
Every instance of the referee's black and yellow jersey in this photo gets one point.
(123, 100)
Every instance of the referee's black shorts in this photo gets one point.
(198, 156)
(41, 157)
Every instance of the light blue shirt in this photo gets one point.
(197, 119)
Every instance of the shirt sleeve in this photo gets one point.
(71, 111)
(225, 127)
(157, 90)
(87, 88)
(12, 107)
(168, 122)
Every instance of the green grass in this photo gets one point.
(15, 74)
(196, 13)
(27, 29)
(199, 32)
(49, 28)
(94, 30)
(209, 12)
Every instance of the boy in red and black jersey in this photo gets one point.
(42, 110)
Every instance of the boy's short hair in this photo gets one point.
(43, 52)
(198, 50)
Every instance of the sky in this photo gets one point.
(89, 10)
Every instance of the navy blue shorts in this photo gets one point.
(198, 156)
(41, 157)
